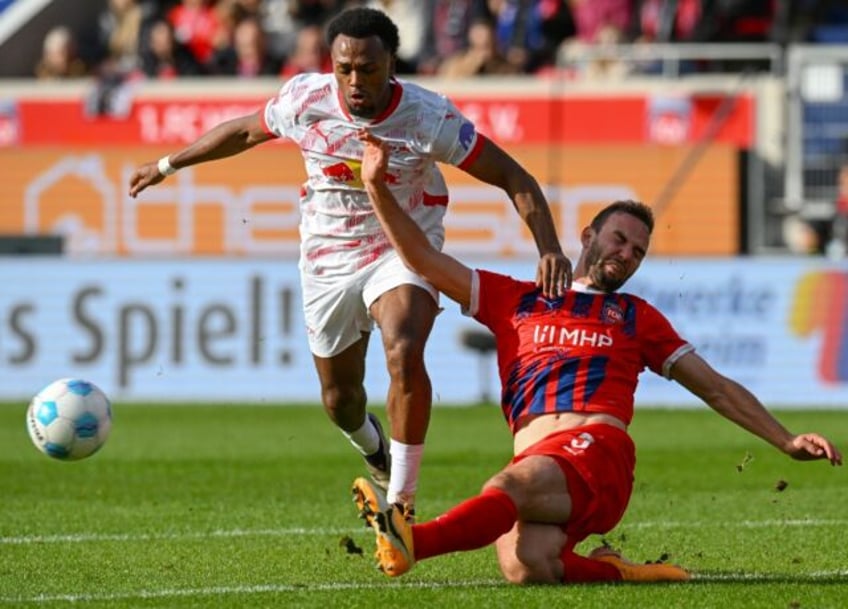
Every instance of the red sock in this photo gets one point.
(582, 570)
(474, 523)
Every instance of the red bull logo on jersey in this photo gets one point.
(341, 172)
(820, 305)
(558, 336)
(350, 172)
(344, 171)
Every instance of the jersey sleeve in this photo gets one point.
(662, 345)
(279, 116)
(456, 140)
(494, 298)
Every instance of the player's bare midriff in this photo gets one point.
(536, 427)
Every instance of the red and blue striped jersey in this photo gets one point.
(581, 352)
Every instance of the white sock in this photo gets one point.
(365, 439)
(406, 462)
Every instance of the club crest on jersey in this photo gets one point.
(579, 443)
(612, 313)
(466, 135)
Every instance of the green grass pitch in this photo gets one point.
(214, 506)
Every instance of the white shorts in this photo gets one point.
(336, 308)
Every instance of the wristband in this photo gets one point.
(165, 167)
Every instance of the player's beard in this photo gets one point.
(362, 110)
(370, 104)
(599, 277)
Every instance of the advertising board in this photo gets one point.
(232, 330)
(66, 168)
(248, 205)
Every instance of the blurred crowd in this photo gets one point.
(160, 39)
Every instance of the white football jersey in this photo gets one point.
(339, 231)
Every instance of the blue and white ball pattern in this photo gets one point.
(69, 419)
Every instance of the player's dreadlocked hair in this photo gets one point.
(636, 209)
(364, 23)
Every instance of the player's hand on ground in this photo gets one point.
(553, 274)
(375, 158)
(811, 446)
(146, 175)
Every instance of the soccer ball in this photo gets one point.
(69, 419)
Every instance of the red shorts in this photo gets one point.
(598, 462)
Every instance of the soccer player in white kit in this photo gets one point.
(350, 275)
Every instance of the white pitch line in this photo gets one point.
(768, 577)
(222, 533)
(167, 536)
(744, 524)
(282, 588)
(233, 590)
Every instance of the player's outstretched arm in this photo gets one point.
(226, 139)
(732, 400)
(494, 166)
(444, 272)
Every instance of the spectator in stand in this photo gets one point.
(242, 9)
(512, 31)
(597, 24)
(279, 27)
(163, 57)
(527, 32)
(197, 26)
(228, 13)
(274, 19)
(556, 24)
(482, 56)
(408, 15)
(120, 29)
(59, 58)
(282, 21)
(311, 53)
(247, 56)
(590, 17)
(447, 31)
(663, 21)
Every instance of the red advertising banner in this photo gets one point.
(619, 119)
